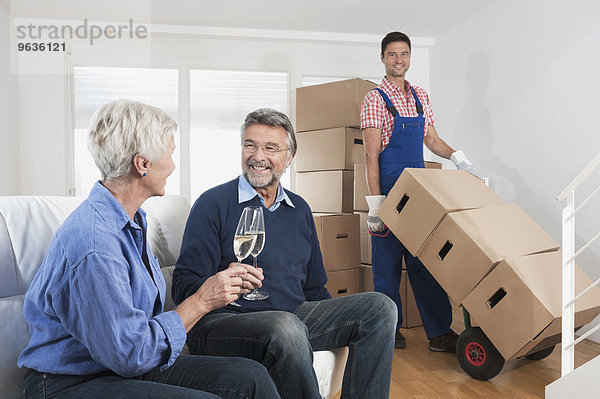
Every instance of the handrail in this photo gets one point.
(582, 293)
(586, 246)
(579, 178)
(584, 336)
(584, 202)
(568, 266)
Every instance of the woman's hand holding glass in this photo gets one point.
(223, 288)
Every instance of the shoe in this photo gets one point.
(444, 343)
(400, 341)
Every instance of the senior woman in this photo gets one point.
(95, 307)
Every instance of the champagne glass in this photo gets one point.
(258, 229)
(244, 239)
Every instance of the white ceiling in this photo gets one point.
(424, 18)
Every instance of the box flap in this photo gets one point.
(503, 231)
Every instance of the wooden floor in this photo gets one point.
(419, 373)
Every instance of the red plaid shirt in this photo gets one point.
(374, 113)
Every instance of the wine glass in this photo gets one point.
(244, 238)
(258, 229)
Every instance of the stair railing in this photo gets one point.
(568, 270)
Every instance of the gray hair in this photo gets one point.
(272, 118)
(123, 128)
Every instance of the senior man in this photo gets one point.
(299, 316)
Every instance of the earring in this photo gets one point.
(144, 174)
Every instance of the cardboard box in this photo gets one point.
(433, 165)
(518, 305)
(366, 278)
(329, 149)
(339, 240)
(410, 312)
(468, 244)
(422, 197)
(329, 191)
(365, 239)
(331, 104)
(361, 190)
(343, 282)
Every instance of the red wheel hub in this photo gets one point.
(475, 354)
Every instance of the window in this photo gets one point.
(219, 103)
(95, 86)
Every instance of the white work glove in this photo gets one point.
(462, 163)
(375, 224)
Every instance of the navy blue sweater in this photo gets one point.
(291, 259)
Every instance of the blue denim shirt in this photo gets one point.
(91, 304)
(246, 192)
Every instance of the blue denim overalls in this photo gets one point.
(405, 150)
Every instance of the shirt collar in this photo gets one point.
(111, 210)
(246, 192)
(386, 84)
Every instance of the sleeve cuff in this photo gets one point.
(176, 336)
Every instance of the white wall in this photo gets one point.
(9, 138)
(516, 87)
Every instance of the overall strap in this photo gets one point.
(388, 103)
(417, 101)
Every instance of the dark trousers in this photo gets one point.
(198, 377)
(432, 300)
(284, 342)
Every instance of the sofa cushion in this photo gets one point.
(8, 265)
(168, 275)
(30, 225)
(166, 218)
(14, 334)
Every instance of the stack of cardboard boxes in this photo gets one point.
(330, 144)
(489, 256)
(331, 178)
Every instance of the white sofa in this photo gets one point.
(27, 225)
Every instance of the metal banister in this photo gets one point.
(568, 266)
(580, 178)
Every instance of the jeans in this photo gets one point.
(284, 342)
(198, 377)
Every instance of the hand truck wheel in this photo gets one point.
(539, 355)
(477, 356)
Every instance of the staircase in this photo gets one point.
(583, 382)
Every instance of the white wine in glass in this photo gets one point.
(243, 240)
(258, 230)
(242, 245)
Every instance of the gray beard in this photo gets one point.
(256, 183)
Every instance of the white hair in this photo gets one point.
(123, 128)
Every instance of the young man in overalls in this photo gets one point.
(396, 119)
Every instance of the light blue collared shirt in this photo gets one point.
(246, 192)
